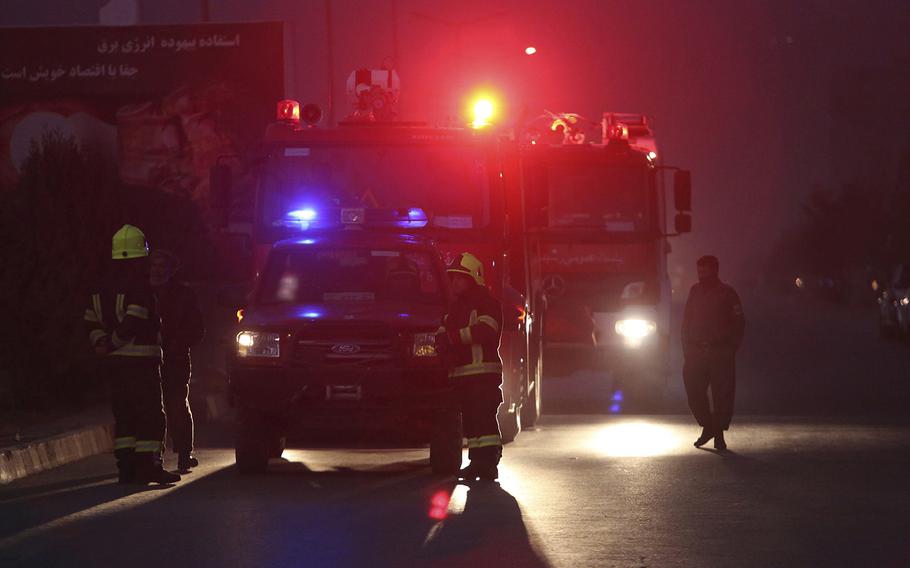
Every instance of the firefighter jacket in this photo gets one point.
(713, 317)
(473, 328)
(122, 320)
(181, 324)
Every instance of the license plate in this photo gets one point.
(343, 392)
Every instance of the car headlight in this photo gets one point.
(424, 345)
(635, 330)
(258, 344)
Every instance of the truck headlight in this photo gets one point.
(424, 345)
(635, 330)
(258, 344)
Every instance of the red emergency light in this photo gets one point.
(618, 131)
(289, 111)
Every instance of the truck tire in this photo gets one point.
(251, 445)
(530, 410)
(446, 443)
(509, 424)
(277, 444)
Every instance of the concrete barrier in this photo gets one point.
(42, 455)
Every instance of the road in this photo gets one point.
(829, 487)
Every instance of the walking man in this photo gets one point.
(473, 330)
(181, 329)
(712, 331)
(123, 327)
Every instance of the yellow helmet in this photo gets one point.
(129, 242)
(469, 265)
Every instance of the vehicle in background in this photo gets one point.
(462, 180)
(894, 303)
(597, 212)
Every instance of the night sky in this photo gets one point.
(761, 100)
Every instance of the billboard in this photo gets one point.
(163, 102)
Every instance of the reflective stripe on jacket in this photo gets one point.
(474, 328)
(127, 319)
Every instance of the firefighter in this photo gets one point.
(472, 330)
(712, 331)
(123, 326)
(181, 329)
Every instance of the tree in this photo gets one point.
(55, 229)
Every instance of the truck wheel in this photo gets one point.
(509, 424)
(277, 444)
(251, 447)
(530, 410)
(446, 443)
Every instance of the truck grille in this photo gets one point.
(346, 343)
(599, 292)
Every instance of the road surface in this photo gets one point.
(818, 475)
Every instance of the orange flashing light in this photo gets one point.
(239, 315)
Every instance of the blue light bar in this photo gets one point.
(307, 214)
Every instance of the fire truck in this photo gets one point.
(598, 215)
(450, 185)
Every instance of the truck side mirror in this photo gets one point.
(682, 190)
(220, 180)
(683, 223)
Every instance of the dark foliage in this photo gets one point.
(54, 228)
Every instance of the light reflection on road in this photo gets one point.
(636, 439)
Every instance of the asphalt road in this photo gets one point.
(828, 488)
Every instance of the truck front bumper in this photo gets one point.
(326, 397)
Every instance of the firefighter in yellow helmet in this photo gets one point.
(473, 329)
(123, 327)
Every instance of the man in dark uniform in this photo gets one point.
(473, 329)
(712, 331)
(123, 326)
(181, 329)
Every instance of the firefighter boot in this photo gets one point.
(186, 462)
(149, 470)
(705, 437)
(126, 465)
(483, 466)
(719, 442)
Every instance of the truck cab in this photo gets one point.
(340, 331)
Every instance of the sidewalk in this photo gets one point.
(32, 443)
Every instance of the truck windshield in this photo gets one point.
(611, 198)
(451, 184)
(350, 275)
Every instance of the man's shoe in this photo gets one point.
(719, 442)
(490, 473)
(705, 437)
(185, 462)
(469, 473)
(156, 475)
(476, 471)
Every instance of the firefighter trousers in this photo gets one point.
(136, 404)
(479, 397)
(175, 385)
(714, 368)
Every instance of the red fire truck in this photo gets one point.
(598, 213)
(448, 184)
